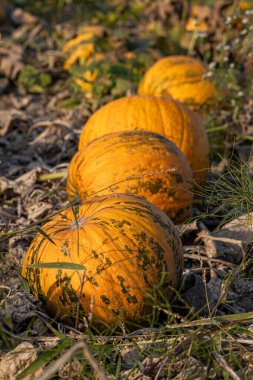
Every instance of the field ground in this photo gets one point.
(206, 331)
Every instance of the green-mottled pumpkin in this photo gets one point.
(164, 116)
(127, 247)
(179, 77)
(142, 163)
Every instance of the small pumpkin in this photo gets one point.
(126, 245)
(142, 163)
(164, 116)
(245, 5)
(193, 25)
(181, 78)
(199, 19)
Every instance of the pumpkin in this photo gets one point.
(127, 247)
(164, 116)
(245, 5)
(181, 78)
(199, 19)
(192, 25)
(137, 162)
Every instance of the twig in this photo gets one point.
(215, 129)
(93, 363)
(148, 330)
(225, 240)
(225, 365)
(213, 320)
(201, 269)
(150, 369)
(50, 371)
(204, 258)
(241, 341)
(160, 368)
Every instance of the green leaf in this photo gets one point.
(119, 71)
(77, 70)
(58, 265)
(36, 89)
(70, 103)
(44, 358)
(121, 86)
(45, 79)
(27, 76)
(34, 81)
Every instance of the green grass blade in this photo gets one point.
(58, 265)
(235, 317)
(118, 368)
(44, 358)
(46, 236)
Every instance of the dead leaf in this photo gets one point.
(15, 361)
(188, 368)
(205, 235)
(185, 229)
(130, 355)
(233, 236)
(5, 184)
(20, 102)
(38, 210)
(248, 360)
(11, 60)
(23, 183)
(18, 307)
(9, 117)
(19, 16)
(74, 367)
(5, 122)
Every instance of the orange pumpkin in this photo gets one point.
(246, 5)
(137, 162)
(164, 116)
(126, 247)
(199, 19)
(181, 78)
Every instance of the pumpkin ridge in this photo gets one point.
(162, 118)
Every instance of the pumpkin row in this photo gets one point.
(109, 159)
(142, 145)
(111, 256)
